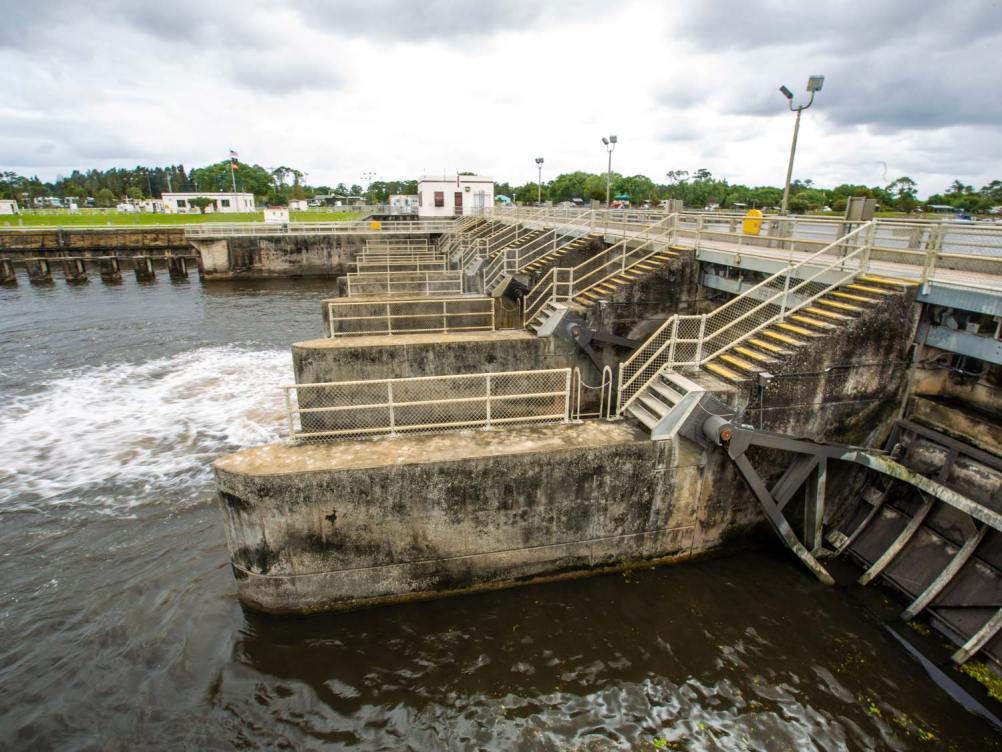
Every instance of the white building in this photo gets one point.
(404, 203)
(297, 204)
(453, 195)
(8, 206)
(276, 215)
(226, 203)
(151, 205)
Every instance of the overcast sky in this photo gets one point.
(405, 87)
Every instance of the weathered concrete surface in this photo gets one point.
(636, 310)
(356, 523)
(262, 256)
(353, 523)
(91, 241)
(434, 354)
(971, 426)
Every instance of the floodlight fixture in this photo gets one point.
(786, 92)
(814, 83)
(613, 139)
(605, 140)
(539, 160)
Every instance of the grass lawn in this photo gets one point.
(97, 218)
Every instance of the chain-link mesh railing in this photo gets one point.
(429, 404)
(410, 316)
(439, 283)
(692, 340)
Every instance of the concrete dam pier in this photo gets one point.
(532, 397)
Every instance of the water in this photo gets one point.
(119, 627)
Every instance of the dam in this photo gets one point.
(540, 394)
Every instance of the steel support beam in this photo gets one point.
(946, 576)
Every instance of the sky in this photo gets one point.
(401, 88)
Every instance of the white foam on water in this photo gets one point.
(127, 434)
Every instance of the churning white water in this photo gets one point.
(112, 434)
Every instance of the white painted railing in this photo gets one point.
(689, 341)
(368, 267)
(565, 283)
(409, 316)
(222, 230)
(353, 409)
(405, 283)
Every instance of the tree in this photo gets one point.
(201, 203)
(104, 198)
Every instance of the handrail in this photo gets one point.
(659, 350)
(332, 410)
(354, 317)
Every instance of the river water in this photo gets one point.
(120, 629)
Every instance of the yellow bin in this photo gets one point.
(376, 224)
(752, 223)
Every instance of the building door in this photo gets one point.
(459, 203)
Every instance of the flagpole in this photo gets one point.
(233, 177)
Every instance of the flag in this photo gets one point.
(233, 160)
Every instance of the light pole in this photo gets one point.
(814, 84)
(367, 177)
(610, 146)
(539, 183)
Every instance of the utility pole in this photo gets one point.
(814, 84)
(539, 185)
(610, 145)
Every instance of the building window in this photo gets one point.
(439, 198)
(224, 202)
(181, 203)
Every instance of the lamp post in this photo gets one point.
(539, 182)
(814, 84)
(610, 146)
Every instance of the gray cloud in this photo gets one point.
(889, 65)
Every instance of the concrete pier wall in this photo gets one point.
(351, 524)
(264, 256)
(406, 355)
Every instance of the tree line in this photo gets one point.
(279, 185)
(701, 189)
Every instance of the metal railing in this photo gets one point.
(228, 229)
(347, 409)
(947, 252)
(566, 283)
(689, 341)
(409, 316)
(368, 267)
(405, 283)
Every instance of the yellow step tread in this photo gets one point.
(827, 314)
(780, 337)
(850, 296)
(795, 329)
(722, 371)
(753, 354)
(827, 325)
(740, 363)
(840, 306)
(768, 346)
(889, 280)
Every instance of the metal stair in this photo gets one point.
(544, 261)
(782, 339)
(627, 276)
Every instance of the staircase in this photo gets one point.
(546, 260)
(766, 349)
(627, 276)
(781, 340)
